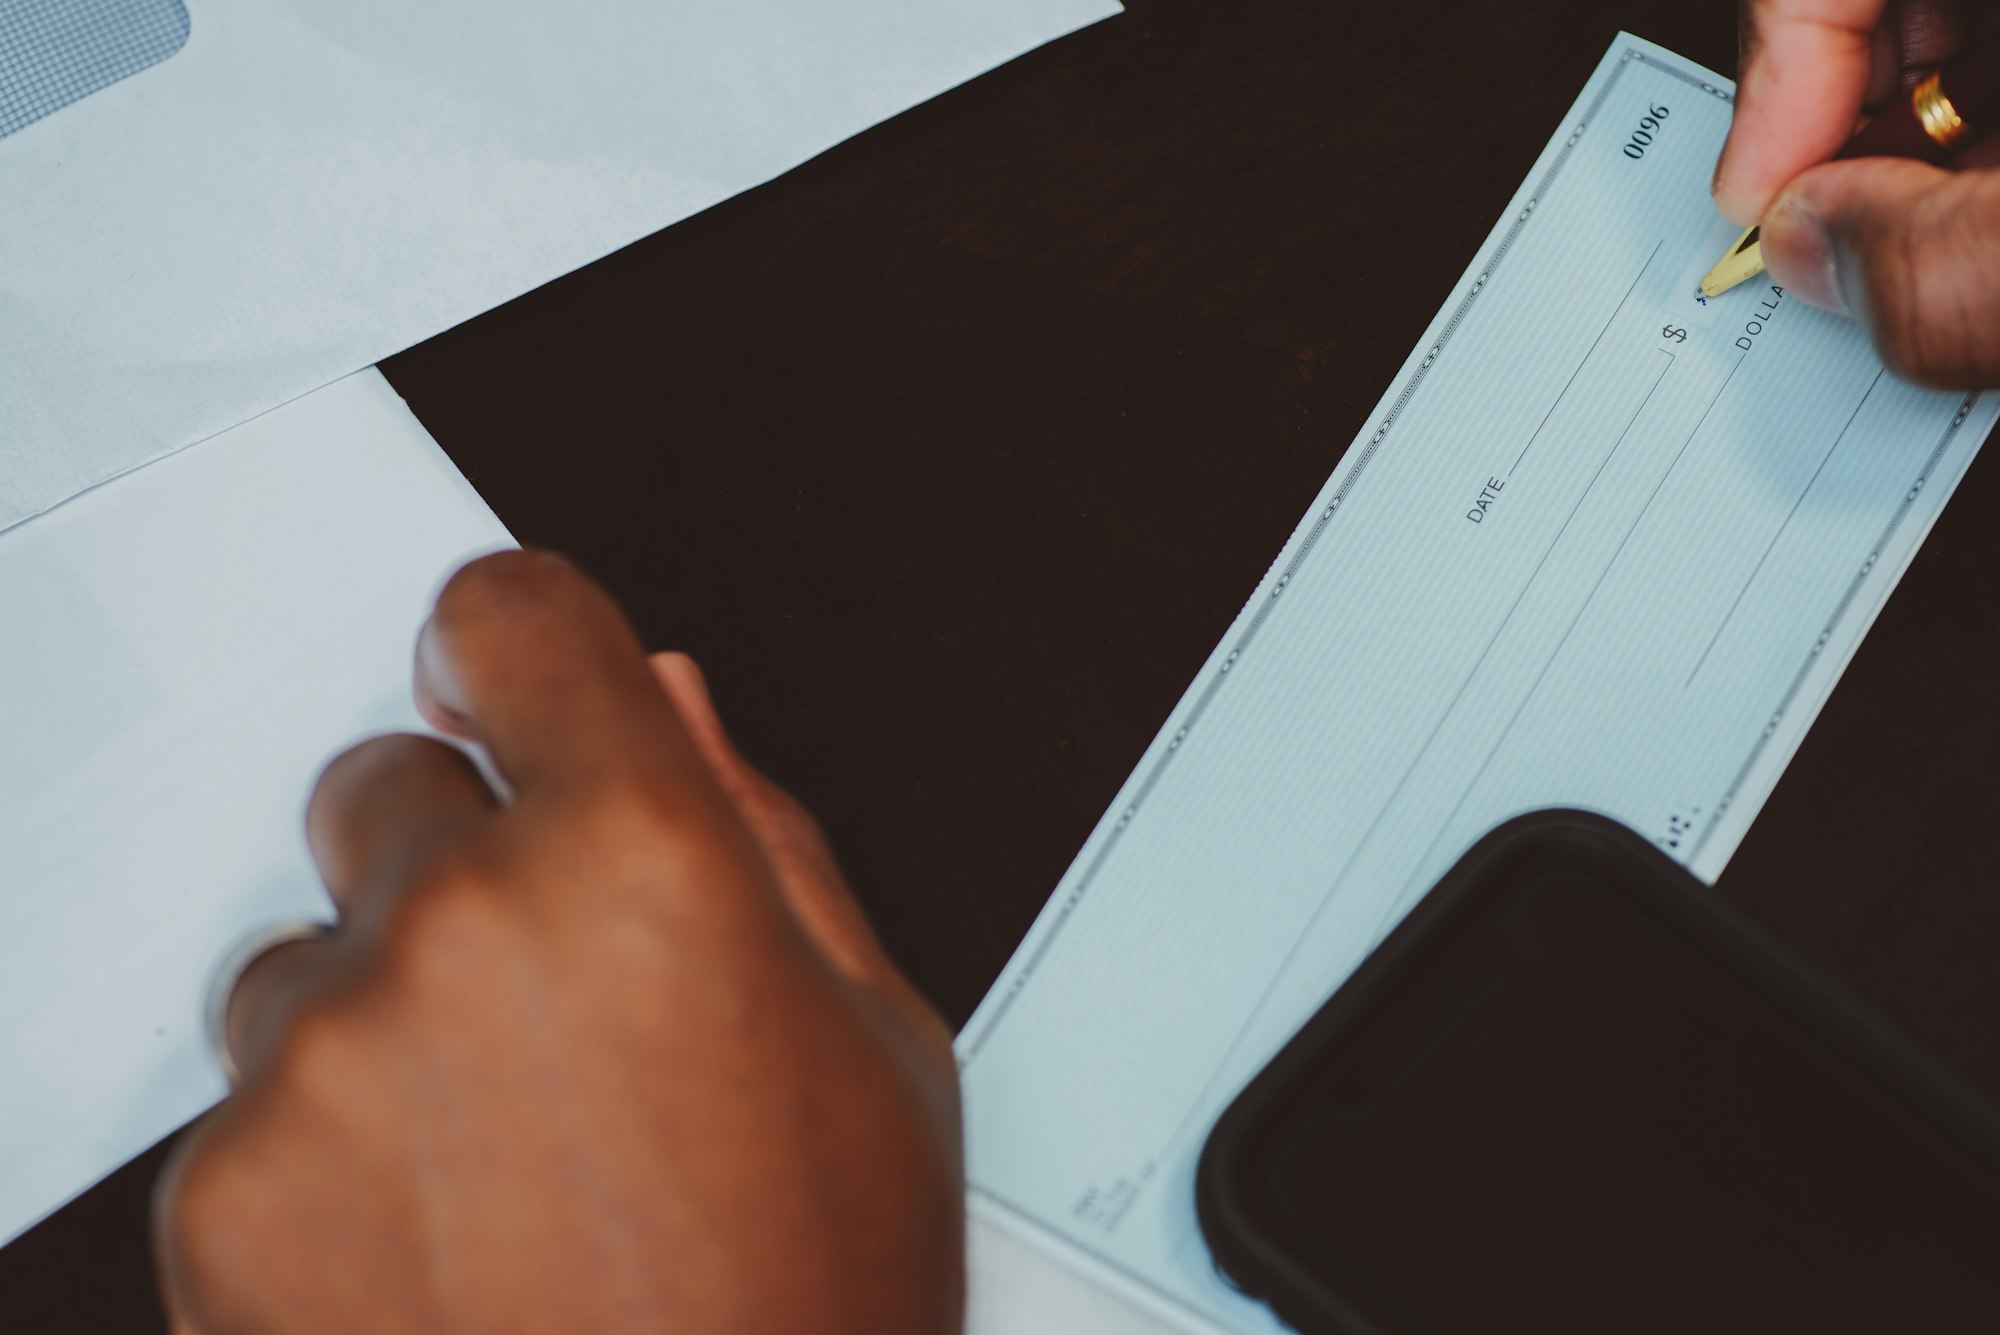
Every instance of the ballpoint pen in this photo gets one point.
(1938, 117)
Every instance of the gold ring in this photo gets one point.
(222, 983)
(1936, 114)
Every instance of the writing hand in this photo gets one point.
(1913, 250)
(616, 1054)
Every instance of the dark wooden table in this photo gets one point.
(952, 453)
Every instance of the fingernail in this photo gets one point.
(437, 690)
(1810, 262)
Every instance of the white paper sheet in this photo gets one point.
(1015, 1286)
(1600, 545)
(168, 697)
(305, 187)
(179, 653)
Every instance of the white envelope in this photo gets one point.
(307, 187)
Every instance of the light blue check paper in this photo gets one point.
(1602, 544)
(53, 52)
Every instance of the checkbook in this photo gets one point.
(1602, 544)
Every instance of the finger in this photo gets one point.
(1885, 61)
(802, 863)
(790, 839)
(527, 656)
(1912, 250)
(166, 1253)
(198, 1220)
(268, 993)
(1930, 33)
(169, 1245)
(1805, 70)
(386, 807)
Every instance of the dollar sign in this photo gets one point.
(1675, 333)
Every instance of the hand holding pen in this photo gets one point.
(1910, 243)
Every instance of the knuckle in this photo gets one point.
(504, 583)
(343, 776)
(358, 766)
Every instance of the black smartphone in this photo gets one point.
(1575, 1091)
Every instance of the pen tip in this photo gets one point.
(1745, 260)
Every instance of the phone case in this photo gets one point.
(1316, 1300)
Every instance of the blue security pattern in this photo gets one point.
(53, 52)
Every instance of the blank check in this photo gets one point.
(1602, 544)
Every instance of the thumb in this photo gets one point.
(793, 846)
(1912, 250)
(799, 856)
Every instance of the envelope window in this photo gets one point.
(55, 52)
